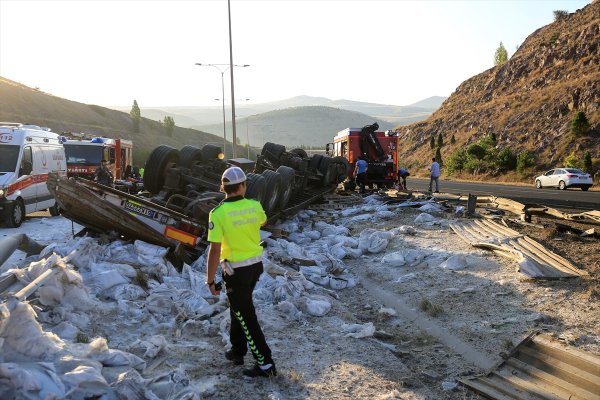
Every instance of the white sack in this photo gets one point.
(358, 331)
(424, 218)
(455, 262)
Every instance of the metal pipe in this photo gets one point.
(19, 241)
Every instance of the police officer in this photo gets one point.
(233, 233)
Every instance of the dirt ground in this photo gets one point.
(433, 326)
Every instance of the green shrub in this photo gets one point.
(524, 161)
(572, 161)
(579, 124)
(506, 160)
(476, 150)
(456, 162)
(560, 14)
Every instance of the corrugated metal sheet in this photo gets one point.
(541, 368)
(534, 259)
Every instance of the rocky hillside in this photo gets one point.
(528, 102)
(19, 103)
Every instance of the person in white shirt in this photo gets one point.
(434, 175)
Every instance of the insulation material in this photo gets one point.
(85, 381)
(100, 352)
(30, 380)
(23, 334)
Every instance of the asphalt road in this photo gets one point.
(574, 199)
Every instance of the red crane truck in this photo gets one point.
(379, 149)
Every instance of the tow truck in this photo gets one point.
(379, 149)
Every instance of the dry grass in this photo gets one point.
(430, 308)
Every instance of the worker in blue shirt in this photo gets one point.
(360, 173)
(402, 174)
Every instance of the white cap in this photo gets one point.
(233, 175)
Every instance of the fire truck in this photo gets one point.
(84, 156)
(379, 149)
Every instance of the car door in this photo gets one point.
(557, 176)
(546, 179)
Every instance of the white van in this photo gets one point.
(27, 154)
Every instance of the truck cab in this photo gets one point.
(85, 155)
(27, 154)
(379, 149)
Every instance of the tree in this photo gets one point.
(440, 140)
(579, 124)
(559, 14)
(168, 125)
(587, 163)
(572, 161)
(456, 161)
(501, 55)
(506, 160)
(493, 138)
(452, 139)
(136, 116)
(438, 156)
(432, 142)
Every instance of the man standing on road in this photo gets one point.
(360, 173)
(434, 175)
(103, 174)
(234, 236)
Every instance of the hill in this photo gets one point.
(19, 103)
(296, 126)
(200, 116)
(527, 103)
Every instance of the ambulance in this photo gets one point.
(27, 154)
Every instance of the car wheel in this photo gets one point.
(561, 185)
(17, 215)
(585, 188)
(538, 184)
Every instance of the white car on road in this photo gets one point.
(563, 178)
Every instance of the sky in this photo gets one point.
(396, 52)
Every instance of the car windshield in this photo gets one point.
(574, 171)
(82, 154)
(9, 154)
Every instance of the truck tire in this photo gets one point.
(17, 214)
(343, 168)
(301, 152)
(189, 155)
(288, 177)
(273, 189)
(211, 152)
(272, 151)
(54, 210)
(325, 164)
(255, 187)
(162, 158)
(315, 160)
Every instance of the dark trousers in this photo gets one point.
(360, 179)
(245, 331)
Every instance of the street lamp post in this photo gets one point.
(222, 71)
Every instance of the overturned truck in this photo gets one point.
(183, 186)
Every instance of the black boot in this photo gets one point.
(235, 358)
(258, 371)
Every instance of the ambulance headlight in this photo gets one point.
(2, 192)
(221, 156)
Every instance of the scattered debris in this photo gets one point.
(534, 260)
(541, 368)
